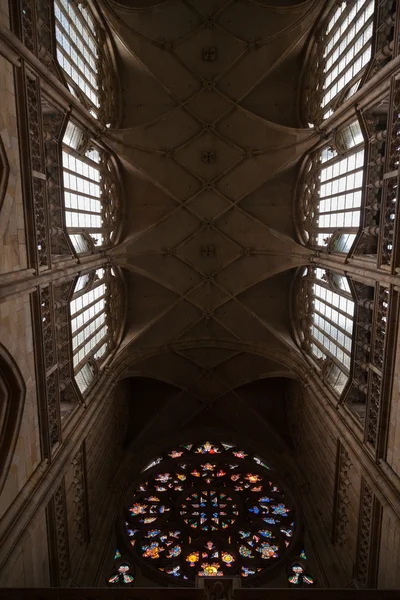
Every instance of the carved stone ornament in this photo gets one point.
(61, 535)
(364, 535)
(208, 157)
(343, 484)
(209, 54)
(78, 483)
(208, 250)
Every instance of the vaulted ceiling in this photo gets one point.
(210, 145)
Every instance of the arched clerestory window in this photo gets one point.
(83, 52)
(91, 192)
(95, 311)
(339, 57)
(324, 317)
(331, 192)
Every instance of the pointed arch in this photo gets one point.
(12, 395)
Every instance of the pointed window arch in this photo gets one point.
(331, 192)
(324, 315)
(91, 192)
(95, 320)
(339, 58)
(83, 52)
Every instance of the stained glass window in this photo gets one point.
(210, 509)
(297, 572)
(123, 573)
(90, 192)
(331, 196)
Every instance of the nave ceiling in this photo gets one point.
(210, 144)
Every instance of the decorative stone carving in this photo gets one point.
(209, 54)
(365, 530)
(53, 413)
(208, 157)
(208, 250)
(341, 516)
(61, 535)
(79, 500)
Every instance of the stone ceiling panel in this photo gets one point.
(253, 21)
(151, 24)
(246, 326)
(208, 7)
(164, 235)
(171, 325)
(172, 368)
(209, 251)
(208, 358)
(273, 202)
(167, 270)
(167, 132)
(250, 131)
(229, 172)
(242, 368)
(209, 156)
(209, 105)
(251, 270)
(208, 204)
(209, 52)
(209, 329)
(208, 296)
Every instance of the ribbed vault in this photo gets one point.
(210, 144)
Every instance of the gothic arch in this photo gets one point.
(337, 63)
(12, 394)
(4, 172)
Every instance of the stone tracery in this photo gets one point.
(210, 509)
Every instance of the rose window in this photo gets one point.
(210, 510)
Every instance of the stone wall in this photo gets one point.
(12, 230)
(389, 563)
(28, 564)
(16, 336)
(91, 499)
(393, 451)
(331, 494)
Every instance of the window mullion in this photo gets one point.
(332, 339)
(89, 84)
(87, 340)
(87, 306)
(344, 34)
(92, 353)
(338, 327)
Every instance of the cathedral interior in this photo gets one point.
(199, 299)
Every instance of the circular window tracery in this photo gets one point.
(210, 509)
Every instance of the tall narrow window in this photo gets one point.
(325, 313)
(77, 49)
(84, 53)
(90, 192)
(347, 50)
(340, 57)
(330, 202)
(91, 318)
